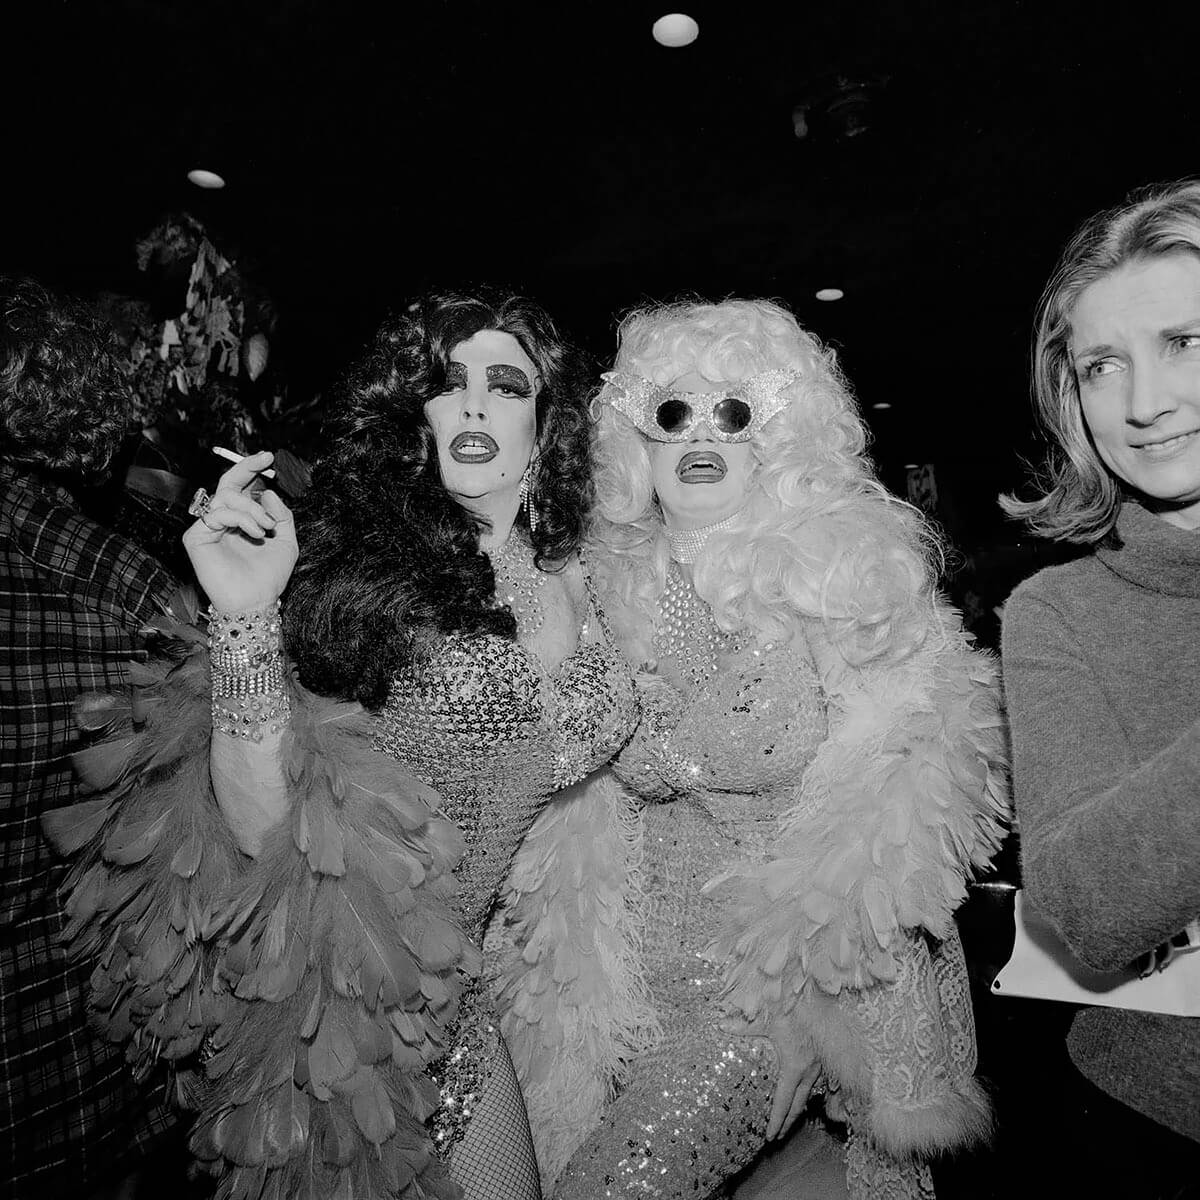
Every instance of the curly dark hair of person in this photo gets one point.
(389, 561)
(65, 403)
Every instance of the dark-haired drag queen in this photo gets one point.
(320, 941)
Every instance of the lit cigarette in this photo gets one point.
(221, 452)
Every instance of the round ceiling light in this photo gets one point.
(206, 179)
(675, 30)
(830, 294)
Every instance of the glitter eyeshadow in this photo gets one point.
(508, 376)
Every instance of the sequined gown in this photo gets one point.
(483, 722)
(730, 730)
(729, 727)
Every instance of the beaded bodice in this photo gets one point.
(496, 734)
(730, 726)
(727, 717)
(753, 726)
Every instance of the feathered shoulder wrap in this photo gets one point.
(838, 930)
(848, 926)
(904, 801)
(574, 1005)
(298, 996)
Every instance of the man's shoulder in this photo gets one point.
(49, 536)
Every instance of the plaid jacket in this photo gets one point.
(72, 599)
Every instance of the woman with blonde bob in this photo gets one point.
(1102, 655)
(759, 898)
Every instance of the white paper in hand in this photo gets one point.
(1042, 968)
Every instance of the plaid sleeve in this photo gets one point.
(73, 597)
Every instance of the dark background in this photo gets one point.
(373, 149)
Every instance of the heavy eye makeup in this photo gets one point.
(504, 377)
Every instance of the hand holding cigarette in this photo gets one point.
(243, 541)
(230, 456)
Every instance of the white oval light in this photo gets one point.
(881, 405)
(206, 179)
(912, 466)
(830, 294)
(674, 30)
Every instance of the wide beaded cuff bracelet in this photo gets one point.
(249, 722)
(247, 672)
(242, 642)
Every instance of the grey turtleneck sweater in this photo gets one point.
(1102, 677)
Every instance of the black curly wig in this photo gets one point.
(388, 559)
(65, 403)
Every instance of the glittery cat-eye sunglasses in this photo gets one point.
(733, 415)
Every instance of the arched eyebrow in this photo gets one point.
(511, 377)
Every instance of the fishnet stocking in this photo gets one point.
(495, 1159)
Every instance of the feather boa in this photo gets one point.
(320, 978)
(570, 983)
(906, 798)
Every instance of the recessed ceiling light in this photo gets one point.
(674, 30)
(830, 294)
(881, 404)
(206, 179)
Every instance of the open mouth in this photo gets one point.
(473, 448)
(701, 466)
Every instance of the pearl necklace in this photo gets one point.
(518, 582)
(686, 544)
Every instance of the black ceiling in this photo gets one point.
(372, 149)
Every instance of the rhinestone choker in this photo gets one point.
(686, 544)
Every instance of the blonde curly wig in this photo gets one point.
(819, 537)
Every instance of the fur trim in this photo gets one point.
(959, 1119)
(904, 1052)
(575, 1002)
(322, 976)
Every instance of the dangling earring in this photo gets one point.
(525, 497)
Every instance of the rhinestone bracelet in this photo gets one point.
(247, 672)
(260, 681)
(240, 642)
(249, 722)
